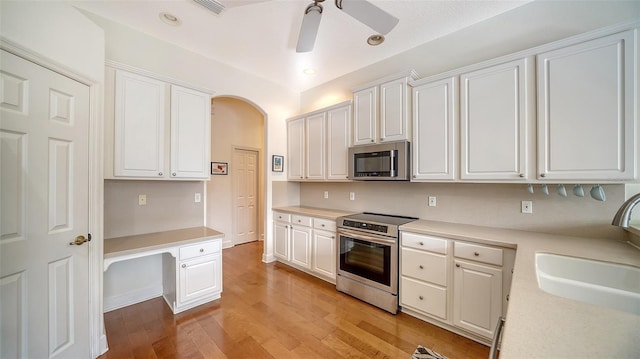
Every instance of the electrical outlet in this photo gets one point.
(197, 198)
(326, 194)
(527, 207)
(142, 200)
(352, 196)
(432, 201)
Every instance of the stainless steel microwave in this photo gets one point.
(389, 161)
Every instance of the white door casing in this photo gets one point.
(245, 190)
(44, 285)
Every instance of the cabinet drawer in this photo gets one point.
(478, 253)
(200, 249)
(281, 217)
(324, 224)
(425, 266)
(301, 220)
(424, 242)
(431, 299)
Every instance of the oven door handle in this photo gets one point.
(356, 235)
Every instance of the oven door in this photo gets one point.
(371, 260)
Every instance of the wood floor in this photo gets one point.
(274, 311)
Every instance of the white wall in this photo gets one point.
(233, 123)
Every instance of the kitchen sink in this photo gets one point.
(611, 285)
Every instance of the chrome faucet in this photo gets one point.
(623, 216)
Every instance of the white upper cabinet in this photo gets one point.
(586, 110)
(365, 114)
(435, 122)
(155, 129)
(394, 110)
(139, 127)
(316, 147)
(318, 144)
(338, 142)
(381, 110)
(493, 122)
(295, 149)
(190, 133)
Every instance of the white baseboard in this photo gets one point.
(104, 346)
(268, 258)
(133, 297)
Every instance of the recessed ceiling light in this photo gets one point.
(375, 40)
(170, 19)
(309, 71)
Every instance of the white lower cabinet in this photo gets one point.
(306, 243)
(461, 286)
(195, 277)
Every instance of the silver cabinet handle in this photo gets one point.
(458, 265)
(322, 225)
(159, 173)
(184, 266)
(421, 267)
(372, 140)
(173, 174)
(201, 250)
(543, 175)
(421, 243)
(521, 175)
(421, 297)
(476, 254)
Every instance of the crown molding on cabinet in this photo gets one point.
(139, 71)
(411, 74)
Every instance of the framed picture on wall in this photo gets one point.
(219, 168)
(277, 163)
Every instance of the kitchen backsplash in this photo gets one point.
(495, 205)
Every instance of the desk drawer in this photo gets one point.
(478, 253)
(301, 220)
(200, 249)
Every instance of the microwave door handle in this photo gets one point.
(393, 164)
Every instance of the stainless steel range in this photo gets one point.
(368, 258)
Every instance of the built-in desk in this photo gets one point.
(191, 262)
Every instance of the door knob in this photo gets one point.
(80, 240)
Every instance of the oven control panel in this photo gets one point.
(363, 225)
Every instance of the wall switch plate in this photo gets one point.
(432, 201)
(352, 196)
(527, 207)
(197, 198)
(326, 194)
(142, 200)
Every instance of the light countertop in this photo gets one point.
(541, 325)
(131, 246)
(314, 212)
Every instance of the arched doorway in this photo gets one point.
(236, 201)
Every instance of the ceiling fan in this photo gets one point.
(363, 11)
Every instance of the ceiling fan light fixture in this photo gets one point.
(170, 19)
(375, 40)
(379, 20)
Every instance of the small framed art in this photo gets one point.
(219, 168)
(277, 163)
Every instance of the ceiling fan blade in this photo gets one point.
(309, 28)
(369, 14)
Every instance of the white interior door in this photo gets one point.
(245, 188)
(44, 286)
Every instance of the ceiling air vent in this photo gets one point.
(212, 5)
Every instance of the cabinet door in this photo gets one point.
(394, 111)
(295, 149)
(281, 240)
(301, 246)
(477, 297)
(190, 133)
(140, 120)
(493, 122)
(434, 130)
(324, 253)
(586, 116)
(199, 277)
(315, 146)
(365, 116)
(338, 142)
